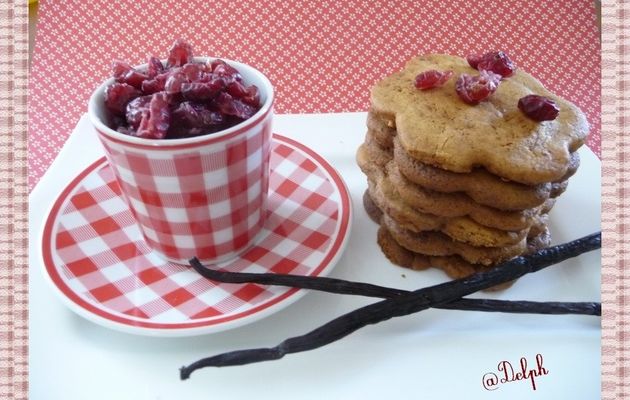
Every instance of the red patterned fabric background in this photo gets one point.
(321, 56)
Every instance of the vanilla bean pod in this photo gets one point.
(403, 305)
(324, 284)
(524, 307)
(340, 286)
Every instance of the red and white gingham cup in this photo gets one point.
(203, 196)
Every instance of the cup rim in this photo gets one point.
(96, 101)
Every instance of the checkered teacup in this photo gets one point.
(203, 196)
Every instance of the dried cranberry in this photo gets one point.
(179, 54)
(472, 90)
(202, 91)
(215, 63)
(231, 106)
(538, 108)
(236, 90)
(193, 71)
(154, 67)
(229, 74)
(196, 115)
(118, 95)
(124, 73)
(135, 78)
(253, 96)
(432, 78)
(174, 83)
(473, 60)
(116, 120)
(155, 122)
(135, 108)
(154, 85)
(205, 77)
(248, 95)
(119, 69)
(495, 61)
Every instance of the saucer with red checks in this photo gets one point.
(97, 260)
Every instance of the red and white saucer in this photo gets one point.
(96, 259)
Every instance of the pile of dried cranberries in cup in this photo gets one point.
(181, 99)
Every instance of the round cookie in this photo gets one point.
(371, 156)
(398, 254)
(538, 242)
(371, 209)
(439, 244)
(459, 204)
(481, 186)
(462, 229)
(557, 188)
(455, 267)
(382, 132)
(375, 153)
(539, 227)
(437, 128)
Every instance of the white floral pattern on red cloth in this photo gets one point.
(321, 56)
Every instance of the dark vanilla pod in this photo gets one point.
(340, 286)
(404, 304)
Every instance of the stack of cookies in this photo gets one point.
(463, 187)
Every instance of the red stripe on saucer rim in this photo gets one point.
(279, 299)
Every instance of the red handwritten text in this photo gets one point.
(506, 373)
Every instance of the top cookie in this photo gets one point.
(436, 127)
